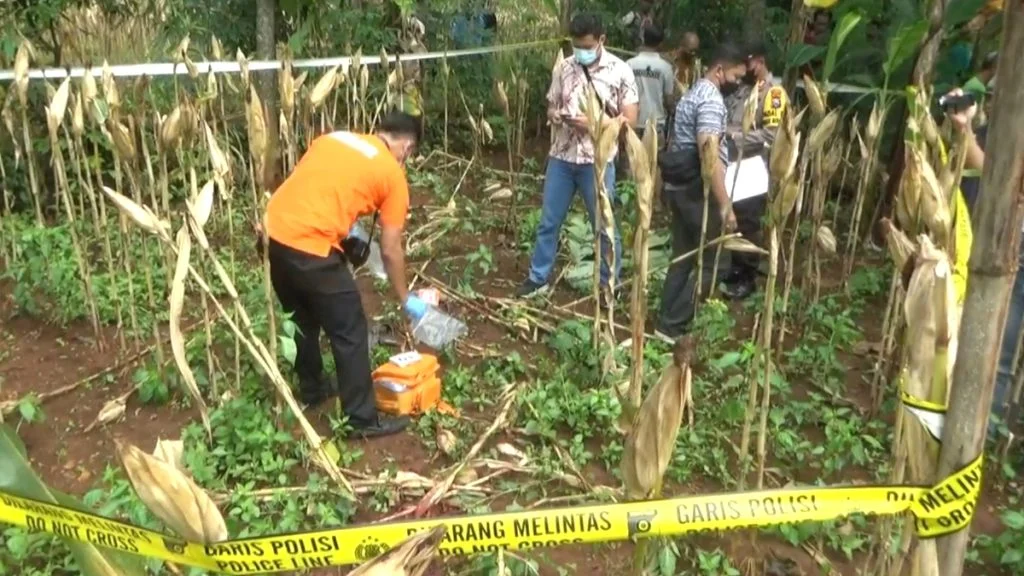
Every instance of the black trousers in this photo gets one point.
(321, 293)
(679, 295)
(749, 213)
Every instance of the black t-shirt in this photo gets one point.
(971, 187)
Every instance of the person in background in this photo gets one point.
(341, 177)
(655, 81)
(963, 123)
(978, 84)
(817, 33)
(570, 166)
(686, 60)
(700, 115)
(977, 133)
(637, 20)
(772, 100)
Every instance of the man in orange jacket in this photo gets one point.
(342, 177)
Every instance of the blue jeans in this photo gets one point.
(561, 182)
(1008, 351)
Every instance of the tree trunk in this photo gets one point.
(753, 26)
(266, 86)
(925, 65)
(564, 17)
(797, 22)
(997, 229)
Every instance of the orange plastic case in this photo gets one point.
(408, 384)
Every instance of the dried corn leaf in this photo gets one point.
(110, 92)
(177, 304)
(201, 205)
(874, 124)
(218, 161)
(172, 497)
(141, 215)
(502, 95)
(22, 61)
(742, 245)
(170, 129)
(410, 558)
(901, 248)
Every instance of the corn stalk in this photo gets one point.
(785, 192)
(22, 60)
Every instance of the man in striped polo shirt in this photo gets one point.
(701, 114)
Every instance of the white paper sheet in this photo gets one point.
(752, 180)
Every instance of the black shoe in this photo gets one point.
(384, 426)
(529, 288)
(312, 394)
(738, 290)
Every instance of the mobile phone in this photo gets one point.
(957, 103)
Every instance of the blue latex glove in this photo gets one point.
(415, 307)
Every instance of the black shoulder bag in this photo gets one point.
(357, 250)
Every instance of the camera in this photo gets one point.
(951, 103)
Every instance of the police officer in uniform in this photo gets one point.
(740, 282)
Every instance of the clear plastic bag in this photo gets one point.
(437, 329)
(375, 263)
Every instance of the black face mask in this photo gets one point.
(727, 87)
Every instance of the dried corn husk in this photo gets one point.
(111, 411)
(170, 452)
(89, 90)
(786, 148)
(170, 129)
(184, 507)
(257, 128)
(77, 115)
(502, 95)
(323, 88)
(216, 48)
(874, 124)
(485, 129)
(826, 240)
(446, 441)
(58, 106)
(110, 92)
(750, 108)
(784, 201)
(709, 159)
(287, 88)
(506, 449)
(814, 97)
(822, 132)
(243, 65)
(141, 215)
(901, 248)
(651, 442)
(22, 61)
(410, 558)
(123, 141)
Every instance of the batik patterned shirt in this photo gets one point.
(616, 88)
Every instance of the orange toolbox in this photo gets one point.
(409, 384)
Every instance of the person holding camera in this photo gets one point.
(341, 177)
(962, 118)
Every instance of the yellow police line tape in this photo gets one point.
(170, 68)
(942, 509)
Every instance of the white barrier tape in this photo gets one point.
(169, 68)
(832, 86)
